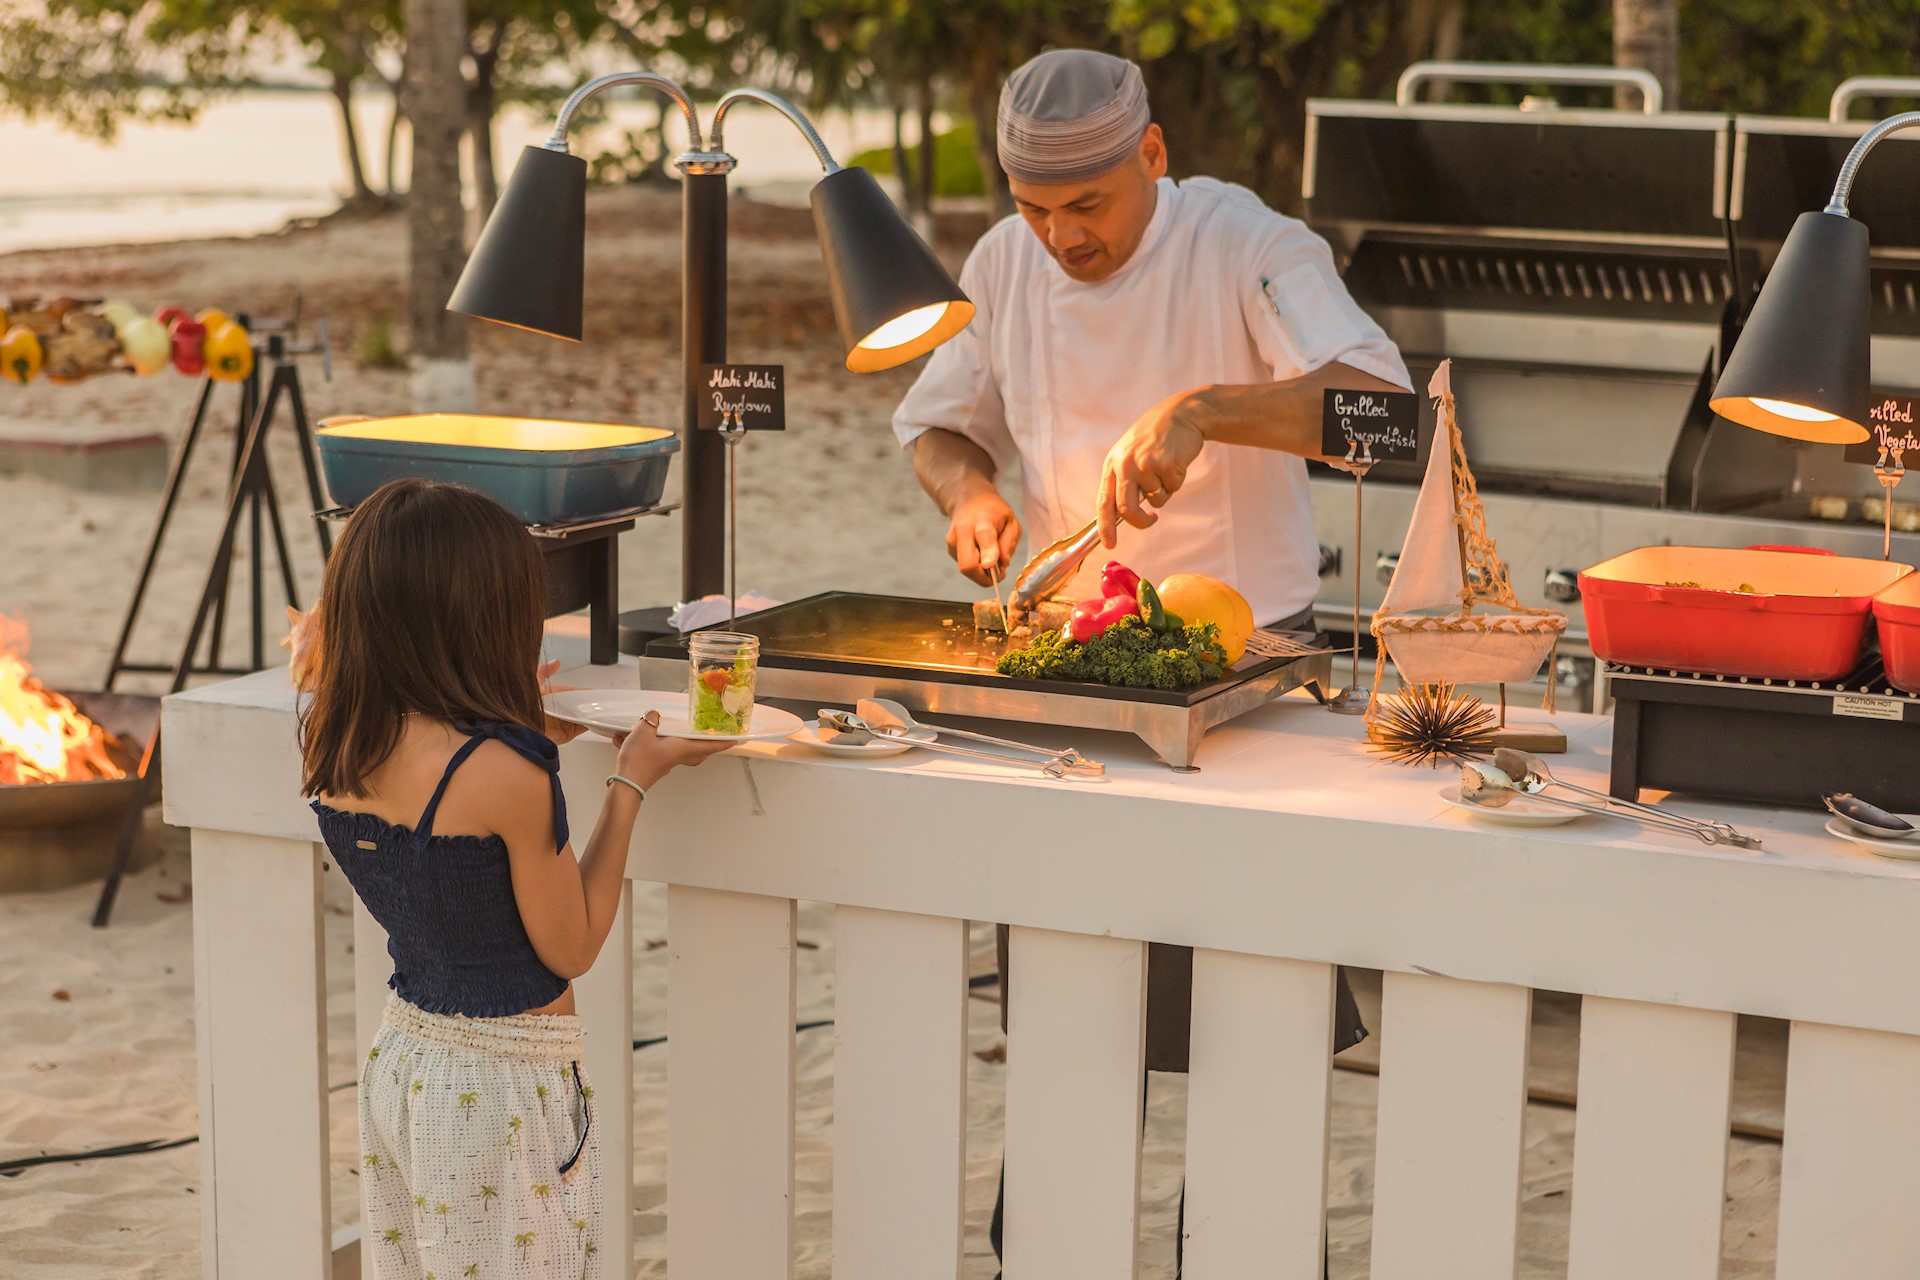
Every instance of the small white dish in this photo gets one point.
(808, 735)
(1902, 850)
(614, 711)
(1521, 811)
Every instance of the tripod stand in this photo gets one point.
(250, 490)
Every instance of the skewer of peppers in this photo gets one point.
(20, 354)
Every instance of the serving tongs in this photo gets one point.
(847, 723)
(1532, 777)
(887, 716)
(1052, 569)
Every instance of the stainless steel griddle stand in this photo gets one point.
(1174, 732)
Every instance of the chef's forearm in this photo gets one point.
(1284, 416)
(951, 468)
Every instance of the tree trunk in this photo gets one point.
(481, 102)
(902, 162)
(393, 137)
(1646, 34)
(436, 219)
(983, 105)
(342, 90)
(924, 176)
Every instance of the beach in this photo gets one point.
(96, 1026)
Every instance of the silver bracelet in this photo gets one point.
(637, 788)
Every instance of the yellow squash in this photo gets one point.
(20, 354)
(1198, 598)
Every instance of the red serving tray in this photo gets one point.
(1806, 618)
(1896, 611)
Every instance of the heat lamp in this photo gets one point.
(1802, 366)
(892, 298)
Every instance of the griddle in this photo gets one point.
(841, 646)
(1776, 742)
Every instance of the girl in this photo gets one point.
(438, 794)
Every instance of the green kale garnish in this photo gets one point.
(1130, 654)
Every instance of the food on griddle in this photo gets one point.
(20, 355)
(1046, 616)
(1196, 598)
(1128, 653)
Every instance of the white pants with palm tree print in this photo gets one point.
(477, 1149)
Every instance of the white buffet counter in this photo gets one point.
(1293, 850)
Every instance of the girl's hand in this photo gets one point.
(561, 731)
(646, 757)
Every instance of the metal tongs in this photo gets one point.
(1531, 777)
(884, 715)
(847, 723)
(1051, 570)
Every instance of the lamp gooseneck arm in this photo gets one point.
(558, 142)
(1843, 185)
(785, 108)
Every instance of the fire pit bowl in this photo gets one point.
(55, 834)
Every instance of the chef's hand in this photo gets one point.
(982, 536)
(559, 730)
(1146, 467)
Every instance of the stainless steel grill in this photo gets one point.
(1586, 270)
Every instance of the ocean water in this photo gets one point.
(252, 161)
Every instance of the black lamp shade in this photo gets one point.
(892, 297)
(1801, 366)
(526, 271)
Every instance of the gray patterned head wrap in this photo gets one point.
(1069, 115)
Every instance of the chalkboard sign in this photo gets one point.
(1386, 422)
(754, 391)
(1890, 425)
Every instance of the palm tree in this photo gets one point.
(580, 1226)
(417, 1086)
(467, 1102)
(513, 1130)
(523, 1240)
(486, 1197)
(373, 1053)
(544, 1192)
(391, 1235)
(586, 1091)
(442, 1210)
(370, 1160)
(420, 1203)
(472, 1272)
(540, 1091)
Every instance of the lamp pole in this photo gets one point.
(703, 304)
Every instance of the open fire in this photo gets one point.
(43, 736)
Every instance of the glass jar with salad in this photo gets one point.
(722, 665)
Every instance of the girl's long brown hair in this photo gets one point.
(433, 603)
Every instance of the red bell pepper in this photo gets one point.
(1092, 618)
(188, 358)
(1118, 580)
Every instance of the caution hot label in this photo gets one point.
(1867, 708)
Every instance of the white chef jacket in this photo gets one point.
(1221, 290)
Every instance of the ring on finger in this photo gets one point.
(1156, 495)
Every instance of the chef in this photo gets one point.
(1152, 354)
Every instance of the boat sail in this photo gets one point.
(1426, 623)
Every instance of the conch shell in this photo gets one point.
(303, 643)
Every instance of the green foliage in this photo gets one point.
(1129, 654)
(956, 167)
(376, 347)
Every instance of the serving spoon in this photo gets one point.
(884, 715)
(1531, 776)
(1869, 820)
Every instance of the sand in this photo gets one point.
(96, 1027)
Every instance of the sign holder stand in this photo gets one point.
(1891, 469)
(1355, 699)
(733, 432)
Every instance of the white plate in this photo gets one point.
(808, 735)
(611, 711)
(1904, 850)
(1521, 811)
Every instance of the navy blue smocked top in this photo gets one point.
(446, 902)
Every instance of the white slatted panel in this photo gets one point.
(1850, 1171)
(266, 1202)
(730, 1000)
(1453, 1095)
(1076, 1057)
(604, 998)
(371, 969)
(1650, 1141)
(1257, 1101)
(899, 1095)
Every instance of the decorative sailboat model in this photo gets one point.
(1450, 617)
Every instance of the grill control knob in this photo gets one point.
(1563, 586)
(1329, 560)
(1383, 566)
